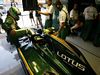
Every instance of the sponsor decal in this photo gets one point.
(71, 61)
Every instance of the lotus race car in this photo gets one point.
(46, 54)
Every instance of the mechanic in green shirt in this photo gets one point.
(11, 28)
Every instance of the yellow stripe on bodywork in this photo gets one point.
(62, 42)
(25, 62)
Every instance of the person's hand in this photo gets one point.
(56, 33)
(40, 4)
(39, 12)
(13, 32)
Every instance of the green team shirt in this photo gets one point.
(9, 24)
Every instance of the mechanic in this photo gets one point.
(63, 19)
(11, 27)
(48, 13)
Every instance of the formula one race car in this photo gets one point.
(46, 54)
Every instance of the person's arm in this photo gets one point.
(60, 28)
(62, 24)
(62, 21)
(44, 13)
(49, 12)
(71, 14)
(95, 13)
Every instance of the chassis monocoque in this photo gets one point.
(46, 54)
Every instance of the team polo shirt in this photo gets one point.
(63, 14)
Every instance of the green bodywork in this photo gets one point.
(37, 64)
(53, 56)
(45, 61)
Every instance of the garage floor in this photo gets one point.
(91, 53)
(10, 62)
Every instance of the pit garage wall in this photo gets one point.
(82, 4)
(98, 4)
(9, 1)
